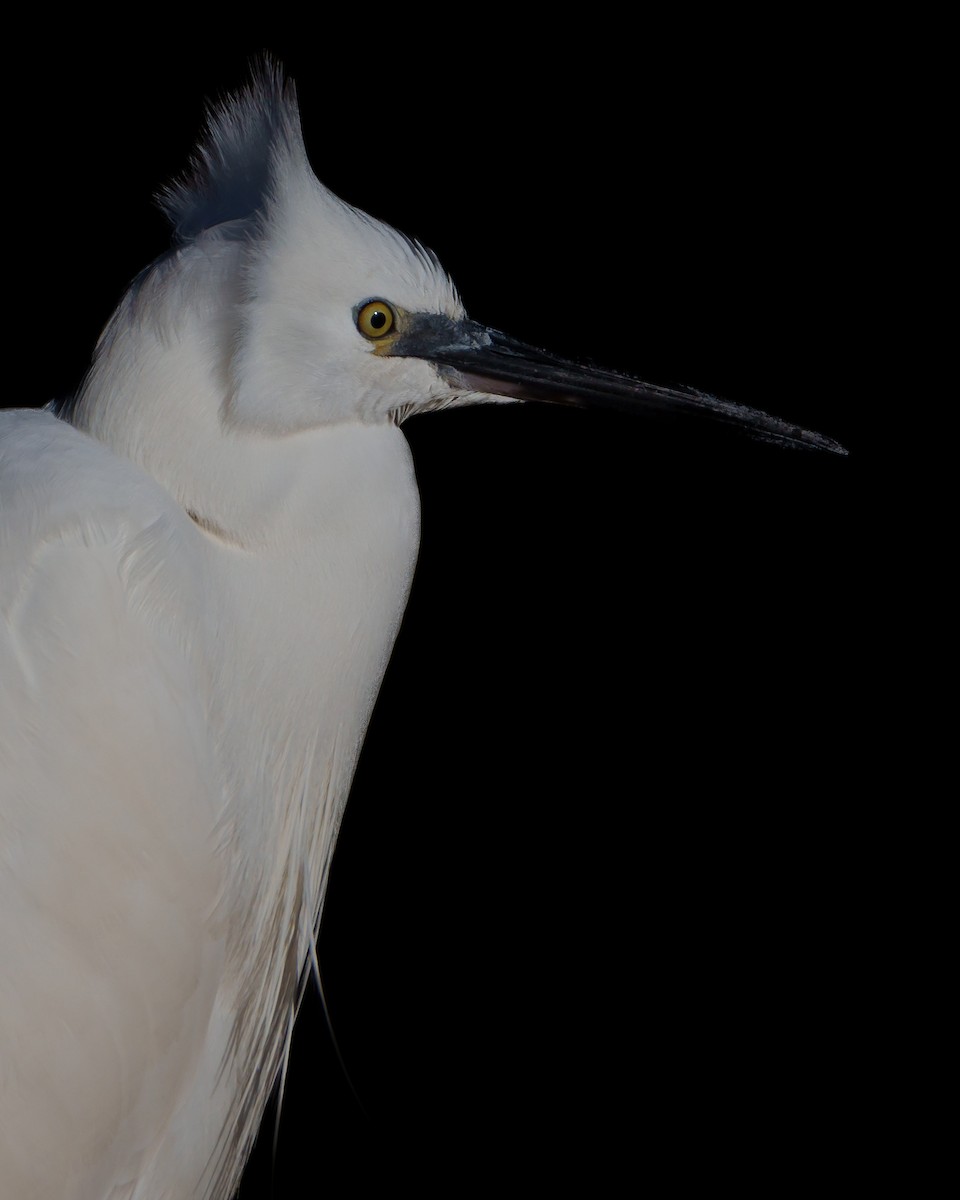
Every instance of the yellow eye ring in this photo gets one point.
(375, 319)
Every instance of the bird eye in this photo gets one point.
(375, 319)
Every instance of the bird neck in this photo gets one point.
(301, 627)
(309, 541)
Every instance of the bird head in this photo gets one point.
(283, 309)
(342, 318)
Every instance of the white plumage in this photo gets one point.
(151, 798)
(205, 560)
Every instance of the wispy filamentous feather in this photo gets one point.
(232, 173)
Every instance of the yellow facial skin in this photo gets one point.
(382, 323)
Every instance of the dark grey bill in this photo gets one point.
(484, 360)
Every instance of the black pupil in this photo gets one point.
(378, 319)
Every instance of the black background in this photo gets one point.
(594, 910)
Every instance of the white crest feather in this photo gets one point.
(251, 140)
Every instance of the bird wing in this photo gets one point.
(109, 878)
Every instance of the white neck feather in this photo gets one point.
(312, 539)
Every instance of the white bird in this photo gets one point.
(205, 558)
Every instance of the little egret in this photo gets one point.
(206, 556)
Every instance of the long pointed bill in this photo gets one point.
(476, 359)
